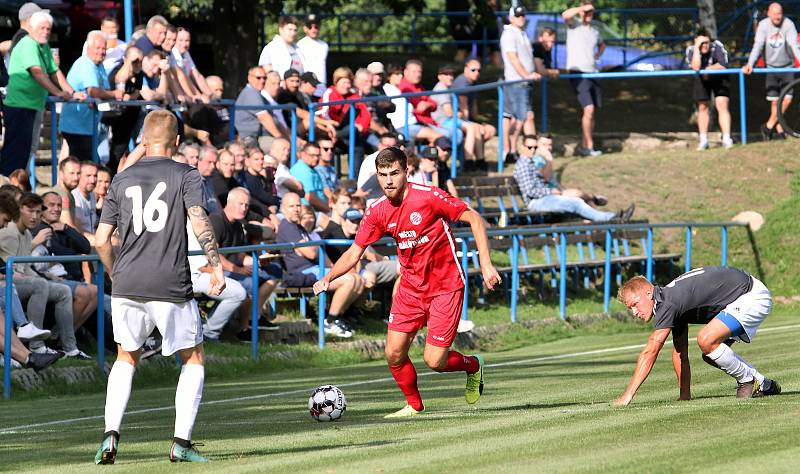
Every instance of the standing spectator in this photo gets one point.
(304, 171)
(339, 114)
(776, 39)
(104, 176)
(154, 35)
(32, 75)
(403, 114)
(16, 240)
(302, 268)
(69, 173)
(284, 181)
(468, 108)
(424, 106)
(155, 68)
(256, 125)
(707, 54)
(127, 76)
(85, 200)
(518, 65)
(282, 53)
(543, 55)
(315, 52)
(325, 168)
(584, 48)
(115, 48)
(87, 75)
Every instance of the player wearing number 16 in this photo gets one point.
(149, 203)
(431, 289)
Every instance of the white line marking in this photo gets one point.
(17, 429)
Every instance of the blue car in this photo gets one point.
(616, 56)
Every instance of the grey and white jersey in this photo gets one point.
(778, 44)
(147, 203)
(696, 297)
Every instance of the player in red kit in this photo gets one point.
(432, 284)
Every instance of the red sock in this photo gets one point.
(458, 362)
(406, 377)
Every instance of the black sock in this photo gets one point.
(331, 318)
(109, 433)
(182, 442)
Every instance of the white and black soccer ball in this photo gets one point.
(327, 403)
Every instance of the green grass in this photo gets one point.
(547, 415)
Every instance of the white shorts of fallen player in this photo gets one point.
(179, 324)
(751, 309)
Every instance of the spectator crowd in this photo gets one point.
(254, 191)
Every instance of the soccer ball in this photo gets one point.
(327, 403)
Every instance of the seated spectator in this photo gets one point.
(231, 231)
(325, 168)
(367, 174)
(85, 201)
(284, 181)
(206, 166)
(543, 161)
(308, 87)
(115, 48)
(441, 179)
(222, 121)
(16, 240)
(403, 114)
(341, 89)
(101, 188)
(425, 105)
(87, 75)
(476, 133)
(363, 85)
(705, 54)
(282, 54)
(260, 126)
(260, 181)
(236, 149)
(21, 179)
(61, 239)
(190, 152)
(154, 34)
(540, 197)
(426, 166)
(22, 355)
(291, 94)
(302, 268)
(379, 109)
(32, 76)
(69, 173)
(304, 171)
(222, 177)
(155, 80)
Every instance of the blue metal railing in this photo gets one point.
(463, 234)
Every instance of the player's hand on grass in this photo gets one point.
(217, 284)
(623, 401)
(490, 276)
(320, 286)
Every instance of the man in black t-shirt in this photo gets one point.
(542, 53)
(148, 203)
(730, 303)
(127, 75)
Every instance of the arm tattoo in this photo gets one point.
(205, 234)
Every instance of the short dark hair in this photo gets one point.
(702, 32)
(69, 159)
(104, 169)
(90, 163)
(414, 61)
(388, 135)
(394, 69)
(548, 31)
(8, 205)
(172, 28)
(530, 137)
(10, 189)
(31, 200)
(110, 19)
(388, 156)
(309, 146)
(287, 20)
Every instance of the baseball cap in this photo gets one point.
(353, 215)
(447, 69)
(312, 19)
(443, 143)
(376, 67)
(308, 77)
(519, 10)
(291, 73)
(28, 9)
(401, 139)
(430, 153)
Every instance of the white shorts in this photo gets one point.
(179, 324)
(751, 309)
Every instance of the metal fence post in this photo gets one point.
(649, 267)
(7, 334)
(293, 144)
(688, 252)
(724, 246)
(607, 273)
(454, 137)
(465, 267)
(562, 279)
(514, 276)
(543, 105)
(255, 308)
(53, 144)
(500, 129)
(232, 122)
(742, 108)
(351, 147)
(311, 133)
(101, 320)
(408, 135)
(95, 138)
(322, 299)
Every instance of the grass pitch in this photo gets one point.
(545, 409)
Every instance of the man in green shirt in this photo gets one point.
(33, 75)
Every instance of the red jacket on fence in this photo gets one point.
(422, 117)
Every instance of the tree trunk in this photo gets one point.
(706, 17)
(235, 27)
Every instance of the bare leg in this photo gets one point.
(702, 117)
(773, 114)
(587, 127)
(724, 114)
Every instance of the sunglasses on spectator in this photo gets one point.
(258, 78)
(313, 26)
(475, 69)
(326, 148)
(530, 147)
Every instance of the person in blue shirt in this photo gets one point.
(304, 171)
(87, 75)
(325, 168)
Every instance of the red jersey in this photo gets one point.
(425, 245)
(426, 116)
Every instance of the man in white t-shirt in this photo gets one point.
(284, 180)
(282, 53)
(182, 59)
(315, 53)
(367, 183)
(115, 48)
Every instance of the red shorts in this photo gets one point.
(440, 313)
